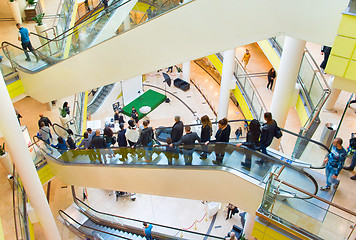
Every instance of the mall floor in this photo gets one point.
(161, 209)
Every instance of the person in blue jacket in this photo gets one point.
(334, 163)
(24, 38)
(62, 148)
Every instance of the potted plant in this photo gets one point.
(40, 27)
(15, 10)
(5, 159)
(63, 117)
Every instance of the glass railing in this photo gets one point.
(314, 88)
(252, 96)
(64, 17)
(120, 222)
(19, 208)
(6, 67)
(313, 215)
(74, 40)
(86, 9)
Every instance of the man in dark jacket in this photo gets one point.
(46, 121)
(188, 141)
(145, 140)
(177, 130)
(98, 142)
(325, 50)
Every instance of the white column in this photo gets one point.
(17, 147)
(286, 79)
(334, 95)
(226, 79)
(249, 223)
(186, 71)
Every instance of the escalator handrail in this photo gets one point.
(76, 200)
(238, 120)
(61, 213)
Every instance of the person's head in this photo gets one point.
(222, 122)
(97, 132)
(169, 140)
(254, 126)
(86, 135)
(108, 132)
(65, 104)
(133, 108)
(18, 25)
(121, 126)
(337, 142)
(145, 224)
(247, 51)
(42, 124)
(70, 132)
(177, 118)
(240, 128)
(145, 123)
(268, 117)
(40, 115)
(60, 140)
(205, 121)
(89, 130)
(131, 124)
(187, 128)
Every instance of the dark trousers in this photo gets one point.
(326, 58)
(270, 83)
(27, 46)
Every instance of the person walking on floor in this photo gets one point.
(147, 230)
(177, 129)
(134, 115)
(271, 76)
(325, 50)
(334, 162)
(238, 133)
(268, 132)
(188, 141)
(231, 210)
(246, 58)
(24, 38)
(170, 69)
(205, 135)
(44, 119)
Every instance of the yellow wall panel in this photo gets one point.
(302, 113)
(15, 89)
(242, 103)
(257, 234)
(266, 237)
(1, 232)
(337, 65)
(270, 53)
(216, 62)
(343, 46)
(275, 235)
(45, 174)
(351, 71)
(347, 26)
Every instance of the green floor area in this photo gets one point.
(150, 98)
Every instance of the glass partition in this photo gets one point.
(78, 38)
(311, 215)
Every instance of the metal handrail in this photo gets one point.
(253, 85)
(76, 200)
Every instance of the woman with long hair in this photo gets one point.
(205, 135)
(252, 141)
(268, 132)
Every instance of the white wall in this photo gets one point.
(195, 30)
(210, 185)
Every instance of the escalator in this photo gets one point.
(128, 55)
(90, 223)
(99, 98)
(126, 169)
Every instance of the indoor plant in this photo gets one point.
(38, 19)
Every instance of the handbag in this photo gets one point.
(278, 133)
(113, 140)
